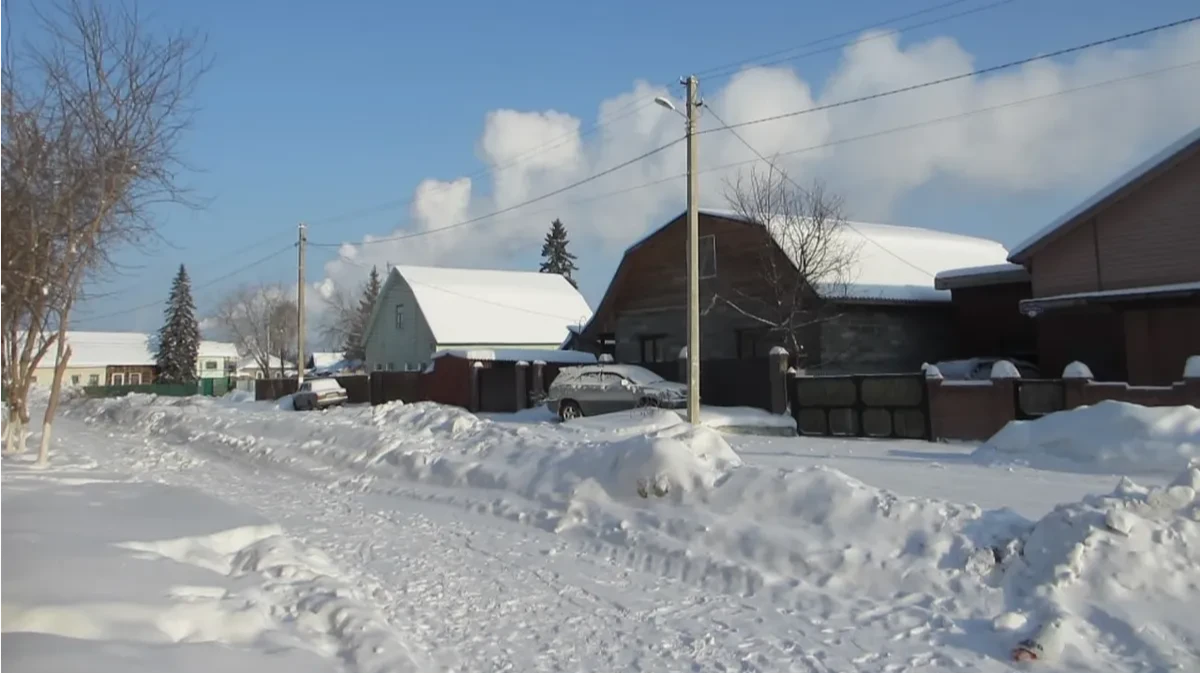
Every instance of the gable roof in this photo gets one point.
(898, 264)
(485, 306)
(102, 349)
(1111, 193)
(217, 349)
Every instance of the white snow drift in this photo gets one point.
(1109, 437)
(1104, 584)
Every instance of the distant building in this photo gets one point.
(101, 358)
(423, 310)
(216, 360)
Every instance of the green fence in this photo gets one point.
(207, 387)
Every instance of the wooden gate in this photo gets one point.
(498, 389)
(1034, 398)
(882, 405)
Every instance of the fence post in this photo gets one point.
(1076, 377)
(777, 379)
(1191, 381)
(681, 374)
(521, 391)
(476, 367)
(539, 380)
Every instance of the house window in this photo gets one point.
(135, 379)
(708, 256)
(652, 348)
(258, 374)
(94, 380)
(399, 316)
(751, 344)
(378, 367)
(74, 380)
(117, 380)
(391, 366)
(210, 364)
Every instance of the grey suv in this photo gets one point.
(605, 388)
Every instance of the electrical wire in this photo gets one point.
(543, 197)
(849, 225)
(812, 148)
(776, 57)
(201, 286)
(953, 78)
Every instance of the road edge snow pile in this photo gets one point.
(1111, 581)
(231, 580)
(1109, 437)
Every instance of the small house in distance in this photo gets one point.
(101, 358)
(886, 317)
(216, 360)
(423, 310)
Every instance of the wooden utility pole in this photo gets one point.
(300, 359)
(693, 255)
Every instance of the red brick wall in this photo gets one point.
(970, 410)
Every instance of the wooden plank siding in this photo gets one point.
(1150, 237)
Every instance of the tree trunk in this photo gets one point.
(52, 405)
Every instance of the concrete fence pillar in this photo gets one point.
(778, 379)
(1076, 378)
(682, 362)
(476, 368)
(1191, 381)
(539, 380)
(521, 392)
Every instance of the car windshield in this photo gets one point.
(640, 376)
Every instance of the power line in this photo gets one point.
(810, 148)
(543, 197)
(440, 288)
(849, 225)
(777, 56)
(635, 106)
(201, 286)
(953, 78)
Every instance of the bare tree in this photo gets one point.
(340, 319)
(262, 322)
(94, 110)
(804, 263)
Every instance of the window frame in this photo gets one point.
(116, 379)
(133, 375)
(709, 242)
(399, 317)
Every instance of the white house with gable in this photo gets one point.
(422, 310)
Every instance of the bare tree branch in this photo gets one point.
(94, 111)
(803, 261)
(262, 322)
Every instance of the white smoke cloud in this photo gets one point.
(1068, 141)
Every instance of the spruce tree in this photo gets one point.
(179, 337)
(355, 346)
(555, 256)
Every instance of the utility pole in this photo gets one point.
(300, 360)
(693, 254)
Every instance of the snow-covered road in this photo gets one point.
(485, 550)
(477, 592)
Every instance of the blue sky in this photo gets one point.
(315, 110)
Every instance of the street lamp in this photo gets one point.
(693, 250)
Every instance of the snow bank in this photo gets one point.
(117, 575)
(1111, 583)
(1109, 438)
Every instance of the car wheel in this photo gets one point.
(569, 409)
(647, 402)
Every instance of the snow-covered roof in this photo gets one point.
(102, 349)
(1182, 289)
(483, 306)
(322, 360)
(218, 349)
(274, 362)
(1110, 191)
(987, 274)
(899, 264)
(519, 354)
